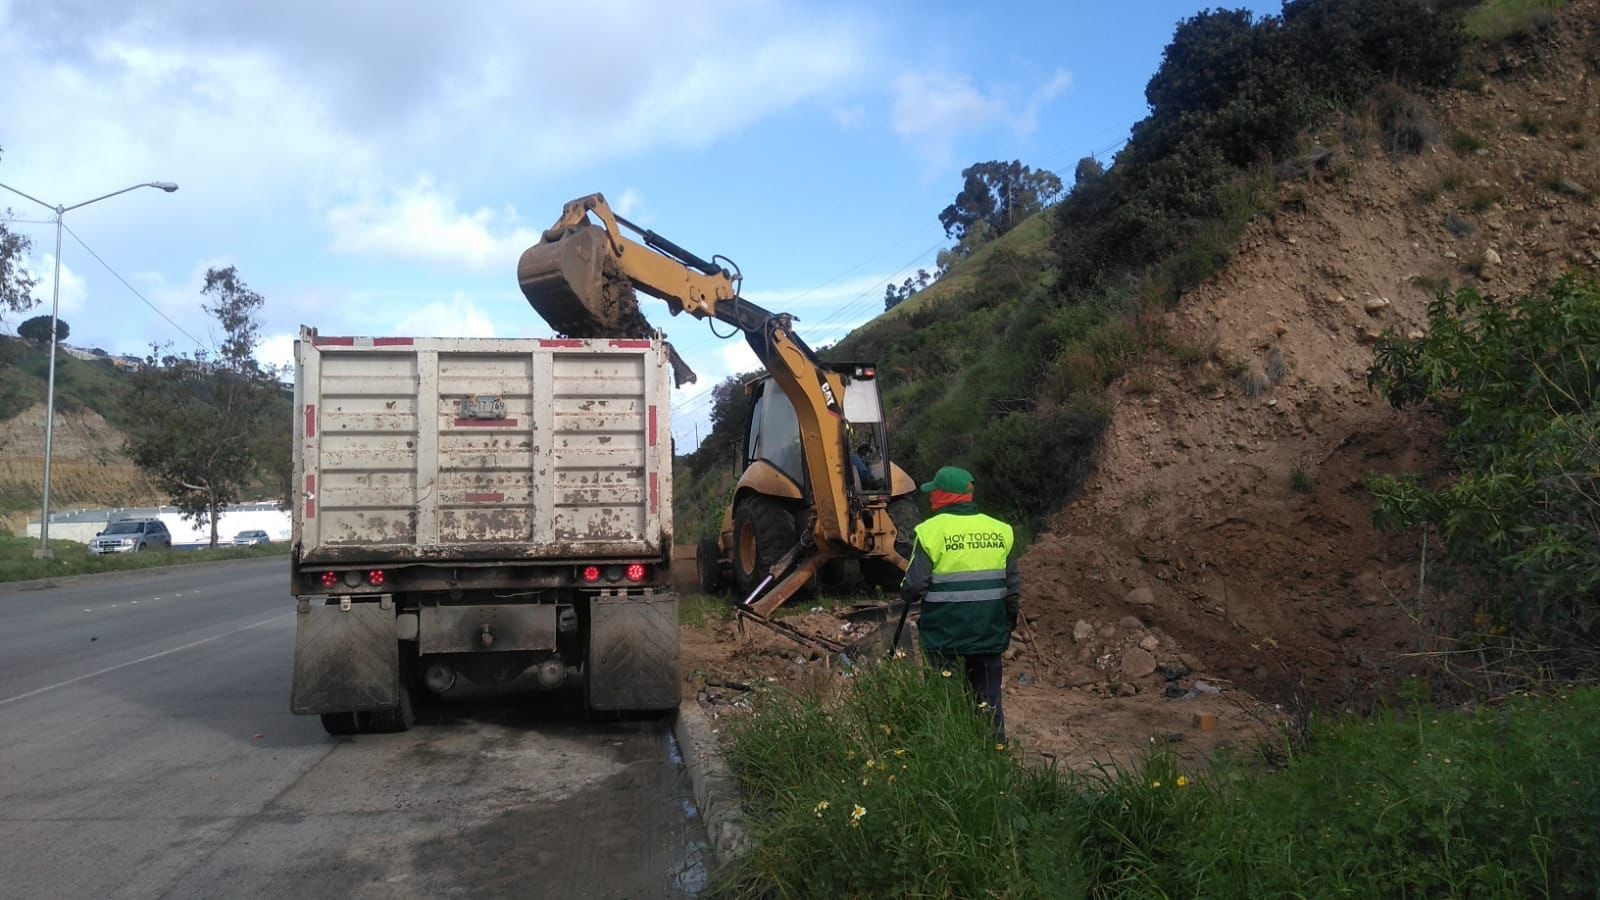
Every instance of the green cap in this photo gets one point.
(951, 480)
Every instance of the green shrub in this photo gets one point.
(1403, 122)
(1515, 385)
(1465, 143)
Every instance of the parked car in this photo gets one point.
(250, 538)
(131, 536)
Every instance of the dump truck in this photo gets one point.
(475, 515)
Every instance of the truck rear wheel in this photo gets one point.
(340, 723)
(763, 531)
(398, 718)
(708, 565)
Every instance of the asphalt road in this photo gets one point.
(147, 750)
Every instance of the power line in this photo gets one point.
(134, 290)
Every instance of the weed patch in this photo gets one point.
(72, 558)
(890, 787)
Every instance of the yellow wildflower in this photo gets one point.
(818, 809)
(1155, 784)
(856, 814)
(1000, 747)
(865, 782)
(945, 673)
(899, 654)
(1183, 781)
(900, 752)
(870, 765)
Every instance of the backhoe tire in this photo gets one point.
(886, 576)
(763, 531)
(708, 566)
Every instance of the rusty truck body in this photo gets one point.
(478, 513)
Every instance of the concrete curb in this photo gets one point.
(40, 584)
(716, 791)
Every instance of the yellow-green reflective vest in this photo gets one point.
(964, 610)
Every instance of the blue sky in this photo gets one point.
(377, 168)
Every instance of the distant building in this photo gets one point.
(82, 353)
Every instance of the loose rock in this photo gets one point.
(1137, 663)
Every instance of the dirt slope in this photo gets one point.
(1229, 509)
(1222, 562)
(88, 467)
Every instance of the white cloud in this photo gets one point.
(1028, 119)
(626, 205)
(940, 105)
(422, 222)
(456, 317)
(73, 292)
(850, 118)
(931, 110)
(277, 350)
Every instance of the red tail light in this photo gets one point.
(375, 578)
(329, 579)
(591, 573)
(637, 572)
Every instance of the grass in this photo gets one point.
(71, 558)
(1300, 482)
(1465, 143)
(1497, 20)
(700, 610)
(893, 787)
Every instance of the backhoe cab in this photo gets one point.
(817, 482)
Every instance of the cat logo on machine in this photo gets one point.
(828, 395)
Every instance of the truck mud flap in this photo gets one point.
(633, 653)
(345, 660)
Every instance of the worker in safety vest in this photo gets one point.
(964, 572)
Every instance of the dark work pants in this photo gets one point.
(983, 677)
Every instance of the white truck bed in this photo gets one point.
(474, 449)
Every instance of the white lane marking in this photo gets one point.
(134, 662)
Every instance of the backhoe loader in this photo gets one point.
(817, 483)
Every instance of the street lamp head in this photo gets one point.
(167, 186)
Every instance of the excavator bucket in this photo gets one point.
(574, 284)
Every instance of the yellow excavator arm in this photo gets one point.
(581, 279)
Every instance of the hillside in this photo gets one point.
(1187, 436)
(89, 467)
(1229, 508)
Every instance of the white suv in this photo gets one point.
(132, 536)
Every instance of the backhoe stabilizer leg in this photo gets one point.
(787, 588)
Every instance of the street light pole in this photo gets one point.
(44, 552)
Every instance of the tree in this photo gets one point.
(730, 408)
(36, 330)
(205, 429)
(894, 296)
(234, 305)
(1001, 194)
(1519, 502)
(16, 284)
